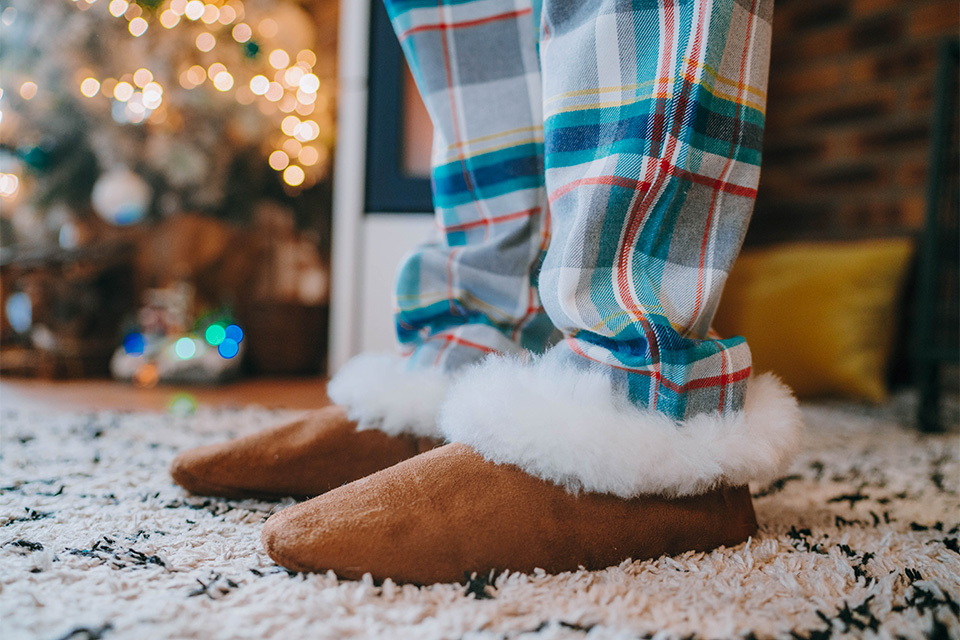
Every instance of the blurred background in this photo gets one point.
(198, 191)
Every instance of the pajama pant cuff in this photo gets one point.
(380, 392)
(568, 426)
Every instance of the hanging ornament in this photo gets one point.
(121, 197)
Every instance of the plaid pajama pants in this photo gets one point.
(595, 165)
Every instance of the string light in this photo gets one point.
(307, 130)
(242, 33)
(268, 28)
(89, 87)
(179, 7)
(227, 14)
(118, 8)
(210, 14)
(185, 348)
(289, 125)
(123, 91)
(293, 175)
(291, 147)
(206, 41)
(274, 92)
(194, 10)
(279, 58)
(278, 160)
(138, 26)
(142, 77)
(214, 69)
(309, 83)
(293, 76)
(215, 334)
(223, 81)
(307, 57)
(9, 185)
(259, 84)
(308, 156)
(169, 19)
(28, 90)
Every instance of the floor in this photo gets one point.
(90, 395)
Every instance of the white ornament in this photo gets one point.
(121, 197)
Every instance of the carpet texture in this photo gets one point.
(858, 539)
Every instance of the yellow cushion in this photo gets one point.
(820, 315)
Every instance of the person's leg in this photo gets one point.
(472, 292)
(469, 294)
(653, 122)
(637, 434)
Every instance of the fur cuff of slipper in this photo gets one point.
(379, 392)
(567, 426)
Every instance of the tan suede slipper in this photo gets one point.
(303, 458)
(449, 511)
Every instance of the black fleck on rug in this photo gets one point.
(859, 539)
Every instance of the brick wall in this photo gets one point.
(848, 118)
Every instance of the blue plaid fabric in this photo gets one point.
(601, 157)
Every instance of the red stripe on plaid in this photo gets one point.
(488, 221)
(464, 24)
(450, 338)
(698, 302)
(630, 183)
(699, 383)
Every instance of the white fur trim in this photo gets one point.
(381, 393)
(568, 426)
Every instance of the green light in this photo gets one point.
(215, 334)
(185, 348)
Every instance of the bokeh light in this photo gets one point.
(194, 10)
(19, 310)
(279, 160)
(89, 87)
(147, 376)
(138, 26)
(206, 41)
(279, 59)
(234, 332)
(123, 91)
(185, 348)
(259, 84)
(268, 28)
(28, 90)
(118, 8)
(169, 19)
(134, 343)
(182, 405)
(242, 32)
(215, 334)
(293, 175)
(228, 348)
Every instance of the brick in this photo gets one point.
(790, 153)
(912, 173)
(937, 19)
(815, 79)
(866, 7)
(859, 108)
(896, 137)
(854, 176)
(884, 29)
(911, 60)
(814, 15)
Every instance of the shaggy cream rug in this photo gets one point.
(858, 539)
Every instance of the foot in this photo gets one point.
(449, 511)
(303, 458)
